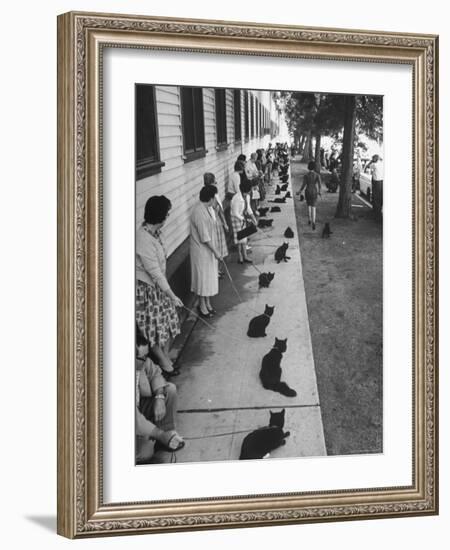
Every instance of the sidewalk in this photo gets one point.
(221, 397)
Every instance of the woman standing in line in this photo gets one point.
(204, 253)
(221, 224)
(239, 213)
(313, 185)
(156, 303)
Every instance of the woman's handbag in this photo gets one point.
(247, 231)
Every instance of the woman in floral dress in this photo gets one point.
(156, 303)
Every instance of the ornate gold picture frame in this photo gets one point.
(82, 39)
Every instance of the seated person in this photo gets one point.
(156, 402)
(333, 182)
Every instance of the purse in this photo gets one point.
(246, 232)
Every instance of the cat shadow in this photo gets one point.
(46, 522)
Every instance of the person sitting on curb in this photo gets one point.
(156, 404)
(333, 182)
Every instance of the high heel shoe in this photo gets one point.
(204, 315)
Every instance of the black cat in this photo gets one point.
(284, 187)
(260, 442)
(257, 326)
(265, 279)
(270, 373)
(280, 253)
(263, 211)
(279, 200)
(265, 223)
(288, 233)
(277, 190)
(326, 232)
(275, 209)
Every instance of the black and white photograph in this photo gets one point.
(259, 274)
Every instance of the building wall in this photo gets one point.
(180, 181)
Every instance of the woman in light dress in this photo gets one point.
(240, 212)
(204, 251)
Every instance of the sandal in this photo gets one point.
(173, 444)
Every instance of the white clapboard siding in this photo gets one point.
(229, 102)
(209, 110)
(181, 181)
(169, 142)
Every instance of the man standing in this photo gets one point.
(377, 172)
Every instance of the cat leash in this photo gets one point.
(236, 290)
(173, 458)
(211, 326)
(217, 435)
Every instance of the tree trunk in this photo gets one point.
(307, 149)
(344, 206)
(317, 154)
(301, 144)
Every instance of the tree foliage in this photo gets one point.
(345, 118)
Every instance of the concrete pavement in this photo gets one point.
(221, 397)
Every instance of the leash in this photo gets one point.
(173, 457)
(217, 435)
(237, 292)
(211, 326)
(232, 282)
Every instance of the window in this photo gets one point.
(146, 132)
(221, 118)
(237, 115)
(261, 123)
(252, 117)
(246, 114)
(193, 123)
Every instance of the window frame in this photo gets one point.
(197, 152)
(237, 110)
(246, 116)
(147, 166)
(220, 108)
(252, 116)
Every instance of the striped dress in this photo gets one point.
(238, 209)
(220, 238)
